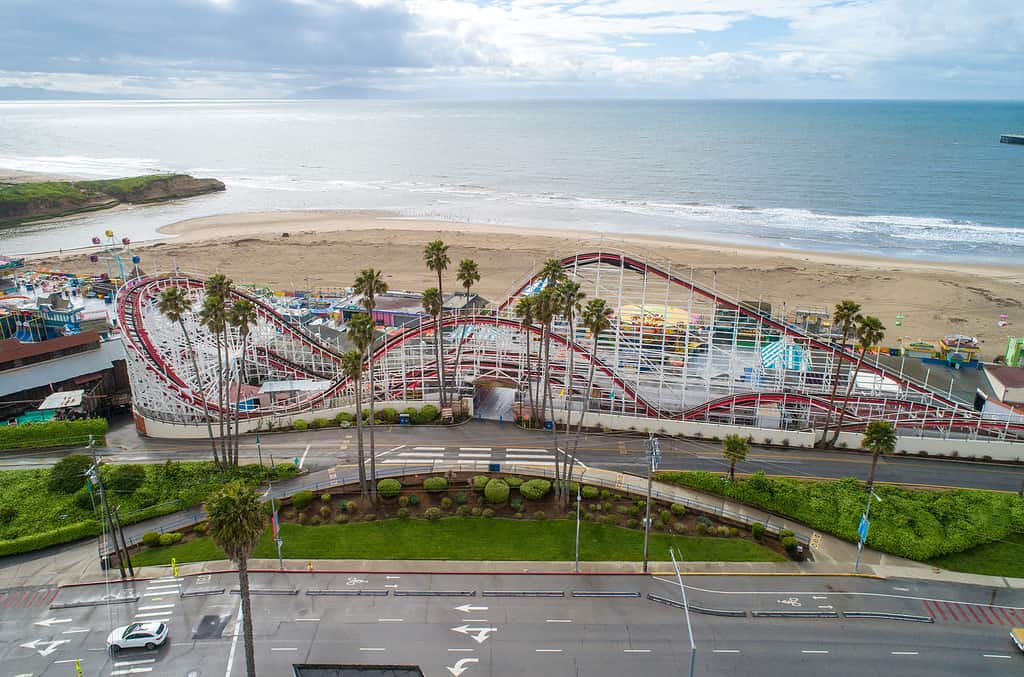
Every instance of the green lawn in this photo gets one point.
(461, 538)
(1004, 558)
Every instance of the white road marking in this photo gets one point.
(154, 607)
(825, 606)
(636, 651)
(151, 614)
(309, 620)
(164, 586)
(526, 451)
(234, 641)
(75, 631)
(165, 619)
(902, 589)
(284, 648)
(124, 664)
(466, 608)
(531, 462)
(477, 620)
(511, 455)
(474, 449)
(819, 597)
(391, 586)
(814, 651)
(155, 594)
(400, 446)
(390, 620)
(421, 454)
(548, 650)
(903, 653)
(372, 648)
(66, 660)
(558, 620)
(995, 655)
(392, 578)
(132, 671)
(474, 455)
(429, 448)
(461, 650)
(725, 651)
(303, 459)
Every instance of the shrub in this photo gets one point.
(463, 511)
(144, 495)
(722, 531)
(496, 491)
(403, 501)
(427, 414)
(734, 532)
(123, 479)
(412, 413)
(68, 475)
(634, 510)
(476, 512)
(678, 509)
(388, 415)
(301, 517)
(403, 513)
(666, 516)
(790, 544)
(341, 518)
(369, 517)
(539, 515)
(343, 417)
(624, 509)
(53, 434)
(435, 485)
(460, 498)
(514, 482)
(605, 494)
(414, 500)
(326, 498)
(301, 499)
(706, 521)
(609, 520)
(785, 533)
(488, 512)
(641, 504)
(151, 538)
(478, 482)
(597, 506)
(701, 528)
(516, 504)
(325, 512)
(632, 523)
(389, 488)
(679, 527)
(201, 528)
(350, 506)
(316, 520)
(299, 424)
(83, 501)
(446, 503)
(321, 423)
(170, 538)
(535, 490)
(609, 506)
(589, 491)
(432, 514)
(757, 530)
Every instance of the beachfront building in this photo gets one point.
(681, 356)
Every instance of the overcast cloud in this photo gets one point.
(515, 48)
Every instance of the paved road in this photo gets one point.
(476, 626)
(493, 442)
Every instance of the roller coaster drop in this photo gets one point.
(676, 350)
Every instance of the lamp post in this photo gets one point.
(276, 525)
(579, 498)
(862, 529)
(686, 611)
(653, 458)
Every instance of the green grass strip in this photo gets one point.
(1002, 558)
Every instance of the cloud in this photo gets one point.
(192, 48)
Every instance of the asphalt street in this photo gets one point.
(509, 624)
(493, 442)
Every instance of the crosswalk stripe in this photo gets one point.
(421, 454)
(474, 449)
(525, 450)
(141, 661)
(428, 448)
(473, 455)
(132, 671)
(540, 456)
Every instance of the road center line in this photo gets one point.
(558, 620)
(903, 653)
(372, 648)
(548, 650)
(462, 650)
(307, 620)
(636, 651)
(725, 651)
(390, 620)
(995, 655)
(284, 648)
(814, 651)
(303, 459)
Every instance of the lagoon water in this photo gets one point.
(902, 179)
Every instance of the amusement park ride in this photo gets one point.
(677, 350)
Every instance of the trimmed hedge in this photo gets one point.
(514, 482)
(589, 491)
(496, 491)
(916, 524)
(53, 434)
(46, 539)
(479, 482)
(535, 490)
(301, 499)
(389, 488)
(435, 485)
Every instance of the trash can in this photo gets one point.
(403, 419)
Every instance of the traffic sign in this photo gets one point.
(862, 529)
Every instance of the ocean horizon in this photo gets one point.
(924, 180)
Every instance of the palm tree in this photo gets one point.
(370, 283)
(174, 304)
(219, 287)
(236, 522)
(435, 255)
(545, 309)
(468, 275)
(360, 330)
(879, 438)
(597, 319)
(352, 367)
(734, 450)
(569, 298)
(214, 317)
(242, 317)
(433, 305)
(524, 311)
(870, 332)
(846, 315)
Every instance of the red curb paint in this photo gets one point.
(949, 607)
(938, 607)
(973, 613)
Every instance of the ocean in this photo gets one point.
(911, 180)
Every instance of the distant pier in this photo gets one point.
(1012, 138)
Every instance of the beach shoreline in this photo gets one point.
(326, 249)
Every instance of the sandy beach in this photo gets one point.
(325, 249)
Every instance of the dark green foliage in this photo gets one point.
(53, 434)
(122, 480)
(83, 500)
(151, 538)
(325, 497)
(427, 414)
(343, 417)
(321, 423)
(68, 475)
(535, 490)
(389, 488)
(446, 503)
(539, 515)
(496, 491)
(605, 494)
(460, 498)
(388, 415)
(790, 544)
(915, 524)
(299, 424)
(145, 495)
(414, 500)
(757, 530)
(170, 538)
(678, 509)
(434, 485)
(479, 482)
(516, 504)
(301, 499)
(632, 523)
(666, 516)
(589, 491)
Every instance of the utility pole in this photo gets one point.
(124, 541)
(579, 497)
(94, 476)
(686, 612)
(862, 529)
(653, 458)
(275, 525)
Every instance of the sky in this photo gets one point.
(468, 49)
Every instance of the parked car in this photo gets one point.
(1017, 635)
(137, 636)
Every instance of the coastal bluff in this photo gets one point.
(32, 201)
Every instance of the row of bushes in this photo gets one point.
(53, 434)
(916, 524)
(386, 416)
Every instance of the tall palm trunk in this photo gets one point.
(360, 454)
(583, 412)
(550, 402)
(224, 450)
(243, 588)
(238, 399)
(846, 398)
(568, 389)
(199, 385)
(835, 387)
(529, 378)
(438, 340)
(458, 359)
(373, 460)
(871, 474)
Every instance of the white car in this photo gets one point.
(137, 636)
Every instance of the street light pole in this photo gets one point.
(653, 455)
(686, 612)
(862, 530)
(276, 525)
(579, 498)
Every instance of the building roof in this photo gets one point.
(1009, 377)
(62, 368)
(13, 349)
(62, 400)
(304, 384)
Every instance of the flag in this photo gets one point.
(273, 523)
